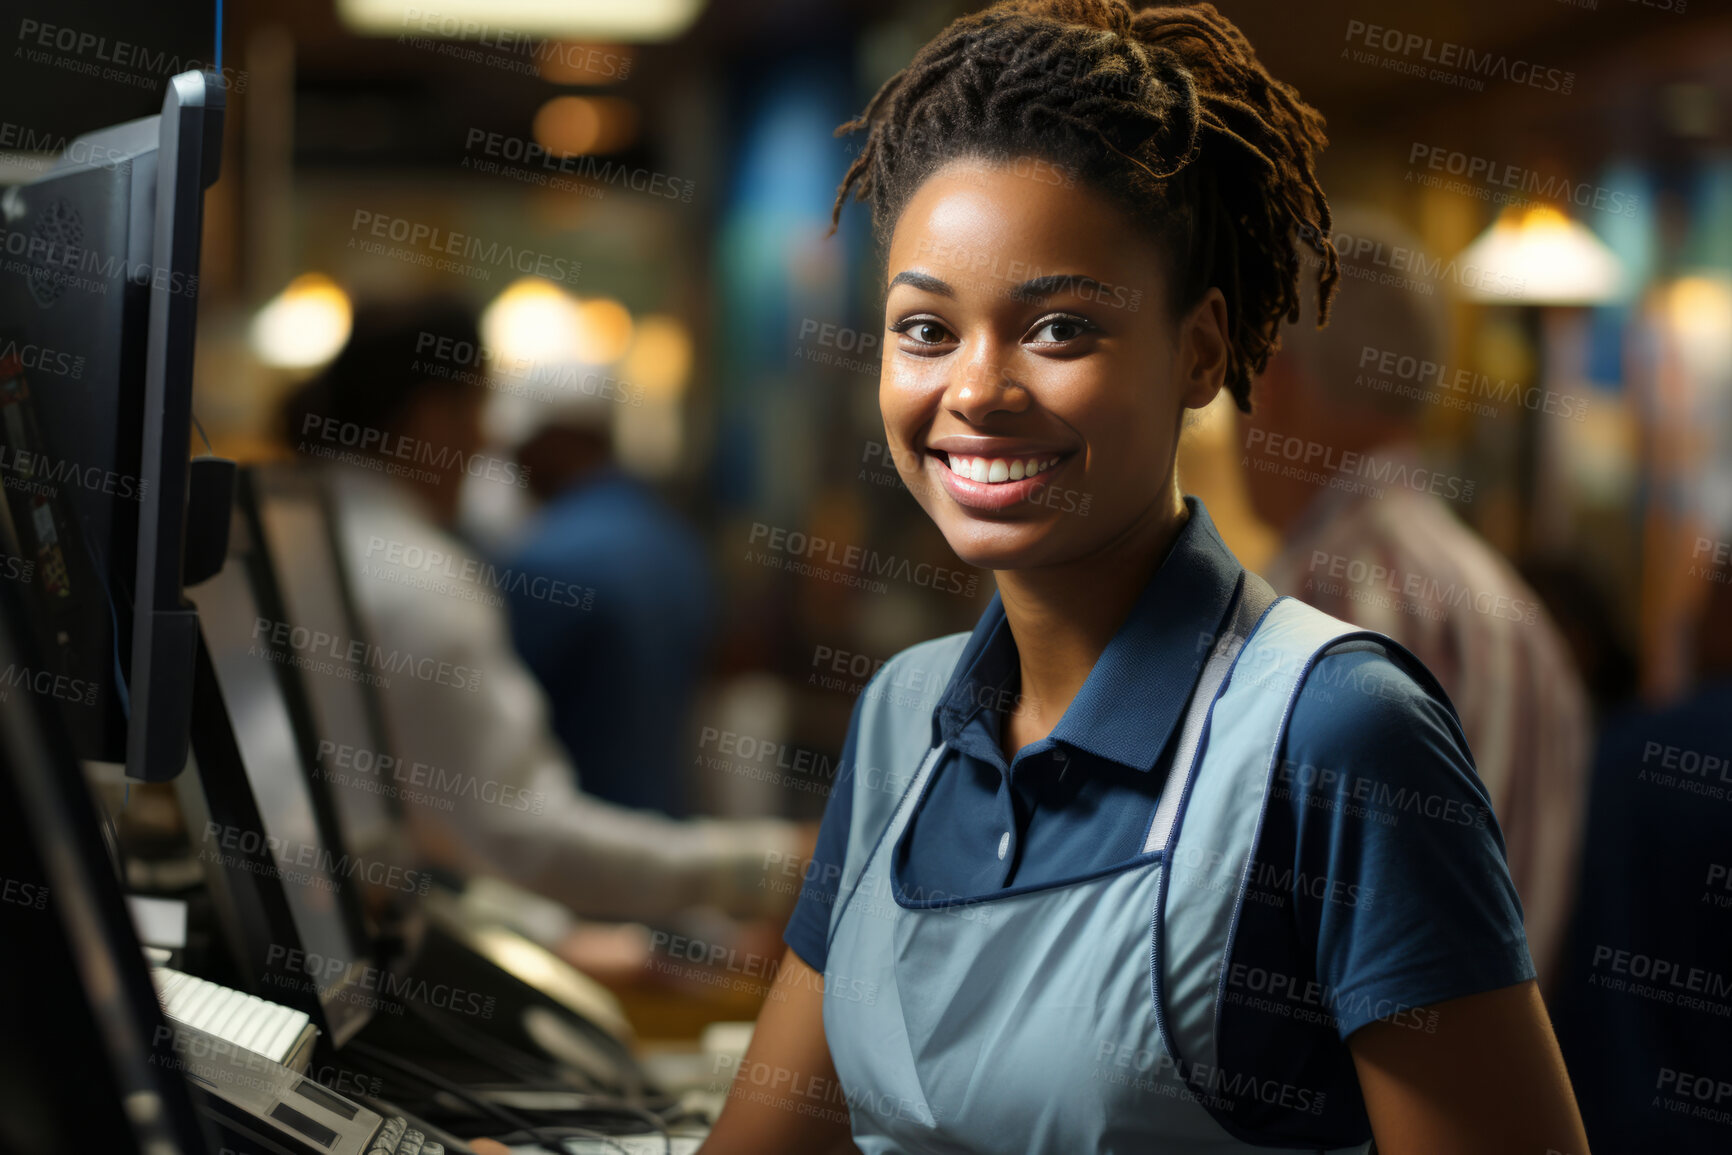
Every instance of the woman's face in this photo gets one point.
(1033, 378)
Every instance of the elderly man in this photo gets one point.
(1368, 535)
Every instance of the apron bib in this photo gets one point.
(1080, 1016)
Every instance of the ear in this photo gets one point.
(1203, 349)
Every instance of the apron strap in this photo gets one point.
(1254, 598)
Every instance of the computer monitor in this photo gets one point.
(98, 297)
(87, 1063)
(287, 891)
(289, 511)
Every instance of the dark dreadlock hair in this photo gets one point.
(1167, 111)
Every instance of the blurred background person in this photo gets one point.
(648, 603)
(1642, 1011)
(397, 438)
(1368, 536)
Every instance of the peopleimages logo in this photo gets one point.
(351, 657)
(448, 359)
(815, 556)
(48, 684)
(505, 45)
(1145, 1069)
(1428, 375)
(1504, 183)
(47, 145)
(438, 248)
(320, 970)
(40, 357)
(118, 60)
(327, 868)
(445, 459)
(1331, 575)
(1343, 469)
(1457, 64)
(367, 769)
(503, 151)
(1370, 259)
(31, 894)
(472, 572)
(87, 270)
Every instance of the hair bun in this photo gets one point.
(1169, 98)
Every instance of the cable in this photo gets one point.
(202, 435)
(512, 1137)
(508, 1117)
(218, 61)
(524, 1068)
(416, 1071)
(468, 1038)
(501, 1057)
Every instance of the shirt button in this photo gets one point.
(1003, 845)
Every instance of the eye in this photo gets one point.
(1061, 329)
(923, 330)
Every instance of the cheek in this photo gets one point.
(904, 403)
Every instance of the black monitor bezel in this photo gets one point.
(255, 909)
(40, 776)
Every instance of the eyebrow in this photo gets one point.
(925, 282)
(1040, 288)
(1034, 289)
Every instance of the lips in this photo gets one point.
(994, 482)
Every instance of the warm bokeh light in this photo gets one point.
(303, 326)
(1699, 307)
(1539, 256)
(582, 125)
(660, 359)
(533, 321)
(573, 62)
(638, 20)
(604, 331)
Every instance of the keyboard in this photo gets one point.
(396, 1137)
(279, 1033)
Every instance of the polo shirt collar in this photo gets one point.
(1135, 696)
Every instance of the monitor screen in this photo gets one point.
(350, 755)
(319, 882)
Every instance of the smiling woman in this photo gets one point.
(1157, 861)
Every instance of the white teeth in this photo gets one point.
(993, 470)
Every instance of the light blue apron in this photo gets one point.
(1081, 1016)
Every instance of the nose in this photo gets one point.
(982, 384)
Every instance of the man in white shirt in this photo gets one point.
(396, 441)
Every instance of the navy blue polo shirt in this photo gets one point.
(1379, 884)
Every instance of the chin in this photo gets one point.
(1006, 545)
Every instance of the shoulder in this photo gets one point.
(1369, 720)
(1367, 689)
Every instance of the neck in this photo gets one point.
(1062, 617)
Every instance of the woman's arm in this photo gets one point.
(1489, 1081)
(785, 1099)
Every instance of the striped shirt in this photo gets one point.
(1400, 562)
